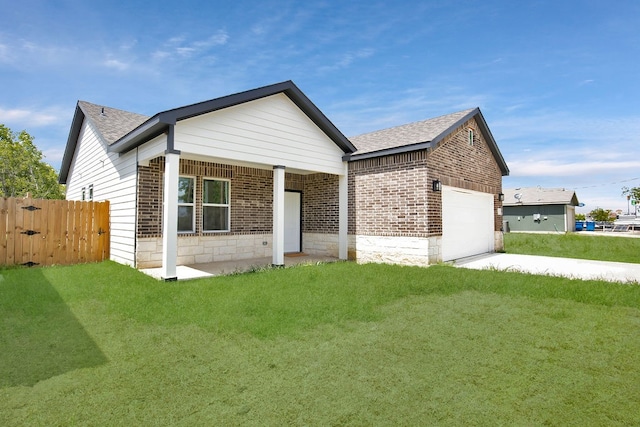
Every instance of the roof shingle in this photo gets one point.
(112, 123)
(408, 134)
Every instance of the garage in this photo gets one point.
(467, 223)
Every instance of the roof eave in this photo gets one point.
(160, 122)
(493, 146)
(488, 136)
(72, 142)
(143, 133)
(388, 151)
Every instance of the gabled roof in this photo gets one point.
(539, 196)
(112, 123)
(408, 134)
(124, 131)
(421, 135)
(160, 122)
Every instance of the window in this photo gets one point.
(471, 137)
(84, 193)
(91, 192)
(186, 205)
(215, 205)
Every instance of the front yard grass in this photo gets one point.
(335, 344)
(574, 245)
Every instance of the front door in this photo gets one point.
(292, 212)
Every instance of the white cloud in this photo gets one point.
(185, 51)
(347, 59)
(182, 47)
(31, 118)
(218, 39)
(116, 63)
(556, 168)
(160, 55)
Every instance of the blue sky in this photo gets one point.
(557, 81)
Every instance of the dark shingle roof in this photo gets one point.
(409, 134)
(112, 123)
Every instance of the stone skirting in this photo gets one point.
(419, 251)
(320, 244)
(403, 250)
(206, 248)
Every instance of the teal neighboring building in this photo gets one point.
(539, 209)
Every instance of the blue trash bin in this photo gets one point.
(591, 226)
(579, 225)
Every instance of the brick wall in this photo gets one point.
(388, 196)
(251, 197)
(456, 163)
(392, 196)
(320, 204)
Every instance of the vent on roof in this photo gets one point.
(102, 112)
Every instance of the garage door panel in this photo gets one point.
(467, 223)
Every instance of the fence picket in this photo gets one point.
(3, 230)
(11, 233)
(62, 232)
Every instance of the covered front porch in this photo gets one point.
(255, 217)
(220, 181)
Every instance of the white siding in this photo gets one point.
(114, 179)
(269, 131)
(152, 149)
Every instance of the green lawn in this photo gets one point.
(574, 245)
(338, 344)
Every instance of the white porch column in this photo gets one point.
(278, 216)
(170, 216)
(343, 213)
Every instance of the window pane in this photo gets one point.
(185, 218)
(185, 190)
(215, 218)
(216, 192)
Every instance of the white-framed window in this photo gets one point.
(186, 204)
(84, 194)
(471, 135)
(216, 207)
(91, 192)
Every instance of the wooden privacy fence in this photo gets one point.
(48, 232)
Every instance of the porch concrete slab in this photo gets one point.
(221, 268)
(551, 266)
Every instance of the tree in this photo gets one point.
(599, 214)
(632, 193)
(22, 169)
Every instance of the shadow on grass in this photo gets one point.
(39, 335)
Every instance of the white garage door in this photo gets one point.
(467, 223)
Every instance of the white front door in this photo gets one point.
(292, 211)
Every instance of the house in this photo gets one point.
(539, 209)
(264, 173)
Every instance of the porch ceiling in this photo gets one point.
(225, 161)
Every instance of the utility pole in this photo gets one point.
(628, 201)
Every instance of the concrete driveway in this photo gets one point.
(550, 266)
